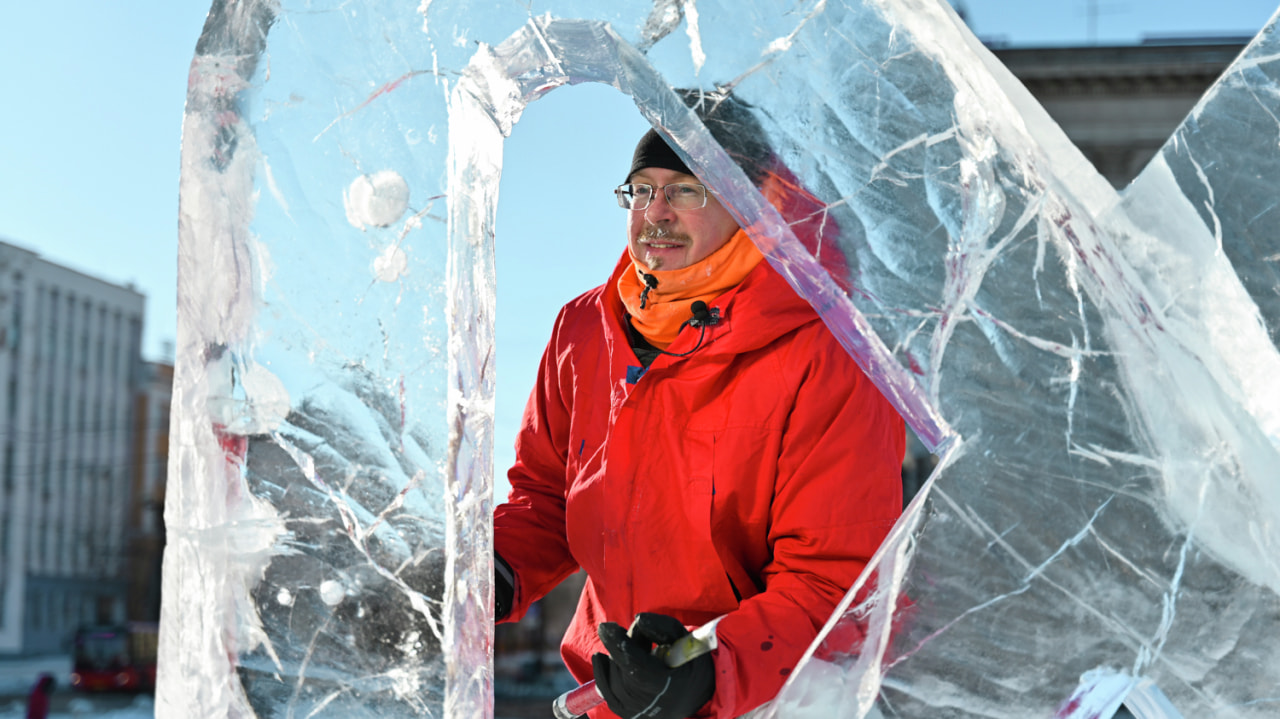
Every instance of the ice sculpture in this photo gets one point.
(1109, 496)
(1094, 369)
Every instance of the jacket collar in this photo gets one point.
(759, 310)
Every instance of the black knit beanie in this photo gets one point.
(653, 151)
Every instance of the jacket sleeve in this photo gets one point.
(529, 529)
(837, 493)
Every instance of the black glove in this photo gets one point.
(637, 685)
(504, 588)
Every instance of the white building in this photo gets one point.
(70, 367)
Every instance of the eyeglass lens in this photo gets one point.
(681, 196)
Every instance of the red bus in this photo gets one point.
(115, 658)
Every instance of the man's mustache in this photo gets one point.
(656, 232)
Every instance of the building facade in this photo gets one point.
(70, 370)
(146, 514)
(1120, 103)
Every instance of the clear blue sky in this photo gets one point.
(89, 138)
(93, 97)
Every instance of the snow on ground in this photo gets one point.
(17, 676)
(143, 707)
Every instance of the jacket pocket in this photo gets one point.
(743, 471)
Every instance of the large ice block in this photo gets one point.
(1107, 508)
(1094, 369)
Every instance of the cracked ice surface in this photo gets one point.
(1095, 370)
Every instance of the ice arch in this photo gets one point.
(1106, 517)
(496, 87)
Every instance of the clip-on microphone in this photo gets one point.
(704, 316)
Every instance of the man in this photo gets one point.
(701, 445)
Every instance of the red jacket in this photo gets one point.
(753, 478)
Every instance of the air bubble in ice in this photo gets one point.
(332, 592)
(377, 200)
(391, 264)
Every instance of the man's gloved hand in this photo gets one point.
(504, 588)
(637, 685)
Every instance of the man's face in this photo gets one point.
(664, 239)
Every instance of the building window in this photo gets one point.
(115, 346)
(39, 321)
(51, 329)
(71, 320)
(84, 336)
(82, 426)
(15, 329)
(8, 482)
(37, 546)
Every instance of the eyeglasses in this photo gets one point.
(681, 196)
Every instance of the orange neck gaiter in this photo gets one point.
(667, 306)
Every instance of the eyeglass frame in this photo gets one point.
(619, 191)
